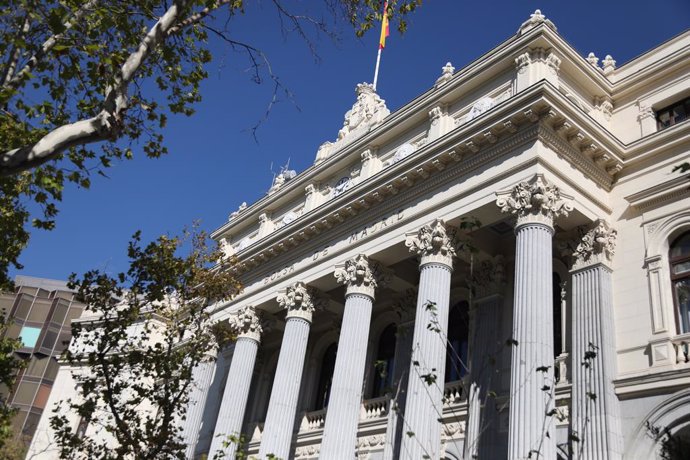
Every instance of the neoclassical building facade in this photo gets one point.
(498, 269)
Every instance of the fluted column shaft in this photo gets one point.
(531, 428)
(595, 419)
(535, 203)
(202, 376)
(235, 395)
(300, 301)
(424, 402)
(482, 420)
(282, 406)
(342, 417)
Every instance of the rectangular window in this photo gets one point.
(673, 114)
(29, 336)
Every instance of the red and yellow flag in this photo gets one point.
(385, 31)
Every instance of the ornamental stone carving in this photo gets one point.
(434, 242)
(597, 245)
(226, 248)
(241, 208)
(367, 112)
(593, 60)
(535, 201)
(300, 301)
(361, 275)
(488, 277)
(246, 322)
(608, 65)
(535, 19)
(446, 74)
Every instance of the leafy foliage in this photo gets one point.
(142, 335)
(10, 365)
(75, 73)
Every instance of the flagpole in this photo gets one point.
(376, 72)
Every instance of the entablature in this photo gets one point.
(539, 113)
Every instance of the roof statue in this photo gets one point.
(367, 112)
(534, 20)
(280, 180)
(446, 74)
(241, 208)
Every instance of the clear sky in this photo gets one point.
(214, 162)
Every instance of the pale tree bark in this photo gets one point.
(107, 124)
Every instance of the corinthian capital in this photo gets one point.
(246, 322)
(597, 245)
(361, 275)
(434, 242)
(300, 301)
(534, 201)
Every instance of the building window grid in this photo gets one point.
(22, 377)
(673, 114)
(679, 262)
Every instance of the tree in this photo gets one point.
(10, 365)
(149, 329)
(84, 82)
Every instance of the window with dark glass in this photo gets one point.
(384, 365)
(673, 114)
(458, 338)
(323, 391)
(679, 258)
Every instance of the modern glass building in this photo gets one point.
(39, 312)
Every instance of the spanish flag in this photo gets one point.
(385, 31)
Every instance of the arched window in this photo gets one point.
(557, 316)
(384, 366)
(323, 391)
(458, 338)
(679, 259)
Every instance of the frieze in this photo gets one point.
(369, 230)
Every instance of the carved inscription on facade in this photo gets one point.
(376, 227)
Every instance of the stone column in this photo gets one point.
(246, 324)
(202, 376)
(361, 276)
(531, 432)
(404, 307)
(488, 282)
(595, 419)
(435, 244)
(300, 302)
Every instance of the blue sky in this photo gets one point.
(214, 162)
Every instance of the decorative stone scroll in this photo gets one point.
(434, 242)
(597, 245)
(535, 201)
(300, 301)
(361, 275)
(246, 322)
